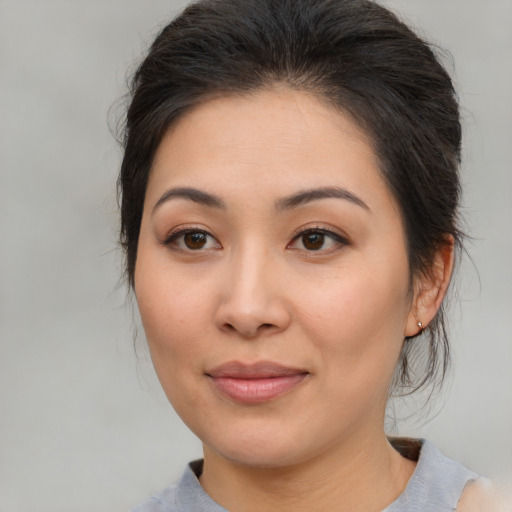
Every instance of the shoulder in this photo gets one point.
(437, 482)
(163, 502)
(482, 494)
(186, 495)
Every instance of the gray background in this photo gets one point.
(83, 423)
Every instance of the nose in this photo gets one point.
(252, 301)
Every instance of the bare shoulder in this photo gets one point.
(483, 495)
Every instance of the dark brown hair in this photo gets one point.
(354, 54)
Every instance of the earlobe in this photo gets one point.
(431, 288)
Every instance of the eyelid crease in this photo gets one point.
(320, 229)
(188, 229)
(338, 239)
(184, 230)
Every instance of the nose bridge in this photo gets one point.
(251, 300)
(256, 260)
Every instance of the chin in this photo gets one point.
(262, 458)
(264, 448)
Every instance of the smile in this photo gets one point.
(255, 383)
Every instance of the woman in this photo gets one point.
(289, 209)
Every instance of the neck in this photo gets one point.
(366, 475)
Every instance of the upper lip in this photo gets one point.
(258, 370)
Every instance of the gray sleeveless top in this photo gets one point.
(435, 486)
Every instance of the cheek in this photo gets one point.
(358, 300)
(357, 320)
(175, 315)
(175, 327)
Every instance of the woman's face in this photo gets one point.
(272, 278)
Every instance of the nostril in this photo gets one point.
(249, 331)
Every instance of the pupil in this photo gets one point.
(195, 240)
(313, 241)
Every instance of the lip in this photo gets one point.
(255, 383)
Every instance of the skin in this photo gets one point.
(256, 291)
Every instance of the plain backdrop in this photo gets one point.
(84, 426)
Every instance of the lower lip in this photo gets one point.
(258, 390)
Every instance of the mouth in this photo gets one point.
(255, 383)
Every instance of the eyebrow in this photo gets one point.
(286, 203)
(307, 196)
(192, 194)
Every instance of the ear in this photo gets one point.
(430, 289)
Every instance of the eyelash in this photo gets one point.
(338, 239)
(172, 239)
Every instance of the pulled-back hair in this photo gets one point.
(354, 54)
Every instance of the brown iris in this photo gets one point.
(195, 240)
(313, 241)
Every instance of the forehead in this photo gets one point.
(270, 143)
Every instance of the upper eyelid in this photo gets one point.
(320, 229)
(183, 230)
(338, 240)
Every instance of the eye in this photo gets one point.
(317, 239)
(192, 240)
